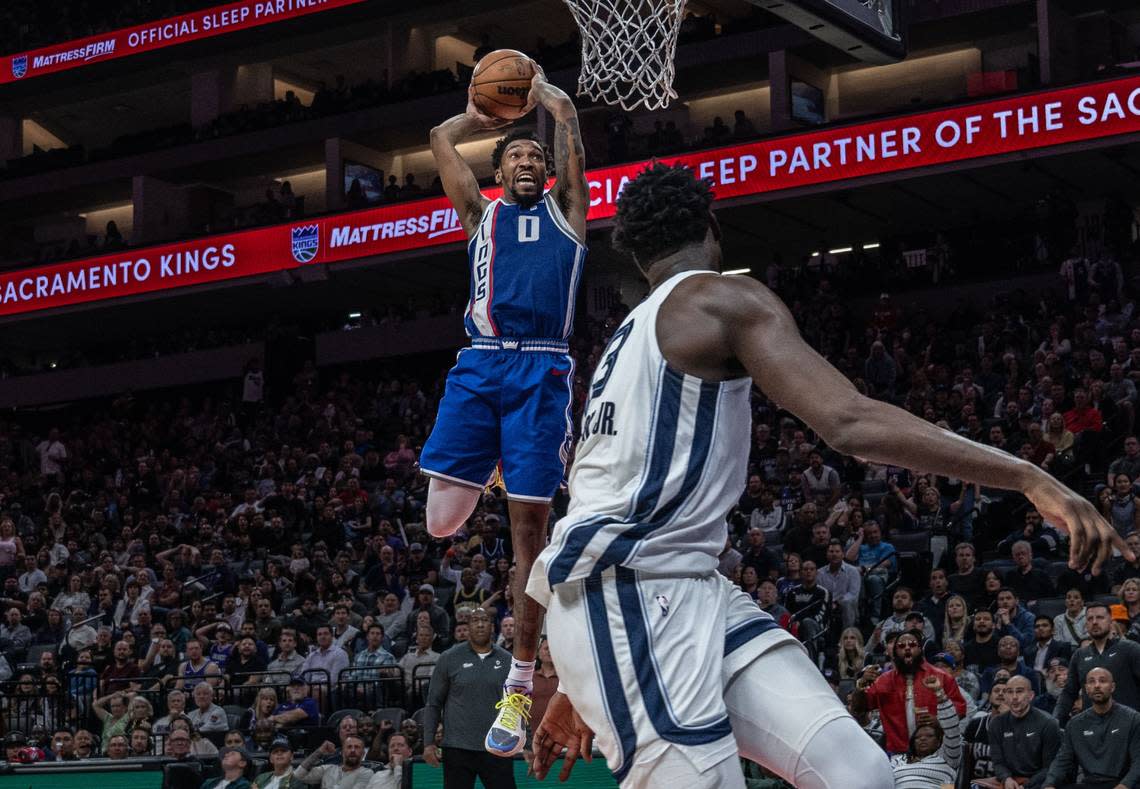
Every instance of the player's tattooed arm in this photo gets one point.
(572, 188)
(459, 182)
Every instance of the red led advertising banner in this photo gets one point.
(903, 143)
(158, 35)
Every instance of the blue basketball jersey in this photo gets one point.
(525, 264)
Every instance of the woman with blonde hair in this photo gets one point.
(957, 618)
(852, 654)
(262, 710)
(1058, 435)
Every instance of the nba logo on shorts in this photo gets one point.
(19, 66)
(306, 243)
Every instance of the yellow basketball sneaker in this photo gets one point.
(507, 735)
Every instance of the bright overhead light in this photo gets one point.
(871, 246)
(839, 251)
(738, 271)
(354, 315)
(815, 254)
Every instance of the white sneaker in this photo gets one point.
(507, 735)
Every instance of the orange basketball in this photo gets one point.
(502, 83)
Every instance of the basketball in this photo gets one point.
(502, 83)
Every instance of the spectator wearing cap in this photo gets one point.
(280, 775)
(418, 567)
(206, 715)
(944, 661)
(1055, 678)
(13, 742)
(348, 774)
(1024, 739)
(440, 621)
(234, 763)
(1045, 647)
(300, 709)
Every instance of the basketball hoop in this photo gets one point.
(627, 50)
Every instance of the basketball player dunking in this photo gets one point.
(686, 670)
(508, 397)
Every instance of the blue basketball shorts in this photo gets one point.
(505, 401)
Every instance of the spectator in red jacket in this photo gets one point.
(1082, 416)
(899, 694)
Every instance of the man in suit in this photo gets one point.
(1044, 647)
(235, 761)
(280, 776)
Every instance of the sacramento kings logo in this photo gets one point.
(19, 66)
(306, 243)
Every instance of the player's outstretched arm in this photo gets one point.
(572, 189)
(459, 183)
(763, 336)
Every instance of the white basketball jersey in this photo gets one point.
(661, 460)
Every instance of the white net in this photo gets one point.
(627, 50)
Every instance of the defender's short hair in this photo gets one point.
(661, 210)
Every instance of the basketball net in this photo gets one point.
(627, 50)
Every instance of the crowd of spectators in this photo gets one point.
(237, 570)
(227, 580)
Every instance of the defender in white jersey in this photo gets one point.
(674, 668)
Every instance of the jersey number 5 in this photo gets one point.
(606, 368)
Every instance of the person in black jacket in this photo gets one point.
(1121, 657)
(1104, 741)
(1044, 647)
(1029, 582)
(809, 604)
(1024, 739)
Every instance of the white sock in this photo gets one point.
(521, 674)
